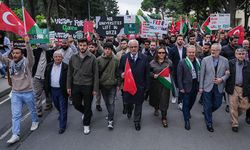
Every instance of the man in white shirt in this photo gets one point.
(55, 85)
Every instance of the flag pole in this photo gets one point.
(24, 21)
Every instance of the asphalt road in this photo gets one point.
(124, 137)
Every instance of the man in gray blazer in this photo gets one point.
(214, 73)
(188, 75)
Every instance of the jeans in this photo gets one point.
(82, 96)
(2, 71)
(188, 101)
(61, 104)
(211, 102)
(109, 99)
(17, 101)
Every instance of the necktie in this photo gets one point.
(134, 58)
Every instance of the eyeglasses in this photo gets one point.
(133, 46)
(161, 52)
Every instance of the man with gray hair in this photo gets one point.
(188, 71)
(214, 73)
(245, 45)
(238, 86)
(140, 70)
(55, 85)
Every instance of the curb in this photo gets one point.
(5, 92)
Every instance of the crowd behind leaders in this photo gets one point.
(203, 67)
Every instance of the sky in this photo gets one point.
(131, 5)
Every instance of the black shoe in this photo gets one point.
(129, 114)
(235, 129)
(248, 120)
(210, 128)
(124, 109)
(187, 125)
(48, 107)
(227, 109)
(98, 107)
(40, 113)
(61, 131)
(137, 126)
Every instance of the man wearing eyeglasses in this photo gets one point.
(238, 86)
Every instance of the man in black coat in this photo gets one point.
(176, 54)
(140, 70)
(228, 51)
(238, 86)
(55, 85)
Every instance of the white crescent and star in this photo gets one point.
(5, 18)
(237, 32)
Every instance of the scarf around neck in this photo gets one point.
(16, 68)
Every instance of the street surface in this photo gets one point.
(124, 137)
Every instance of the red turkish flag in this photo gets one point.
(129, 82)
(9, 21)
(239, 31)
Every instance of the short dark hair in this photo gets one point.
(207, 44)
(108, 45)
(179, 35)
(93, 43)
(124, 39)
(83, 40)
(233, 37)
(191, 35)
(146, 41)
(162, 42)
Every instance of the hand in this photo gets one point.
(156, 76)
(69, 91)
(227, 72)
(94, 93)
(122, 75)
(182, 91)
(200, 90)
(217, 81)
(26, 39)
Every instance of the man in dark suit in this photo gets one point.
(140, 70)
(188, 76)
(177, 53)
(55, 85)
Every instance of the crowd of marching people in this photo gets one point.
(207, 68)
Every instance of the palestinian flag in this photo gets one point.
(205, 26)
(164, 78)
(31, 26)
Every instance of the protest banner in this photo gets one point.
(109, 26)
(154, 27)
(65, 27)
(131, 25)
(219, 21)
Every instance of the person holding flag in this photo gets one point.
(134, 69)
(22, 88)
(161, 83)
(188, 76)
